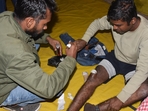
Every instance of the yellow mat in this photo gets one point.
(74, 16)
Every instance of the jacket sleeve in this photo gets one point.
(24, 71)
(42, 39)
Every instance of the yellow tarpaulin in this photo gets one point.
(73, 17)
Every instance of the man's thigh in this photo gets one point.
(21, 96)
(114, 66)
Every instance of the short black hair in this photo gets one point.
(33, 8)
(123, 10)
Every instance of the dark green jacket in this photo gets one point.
(19, 63)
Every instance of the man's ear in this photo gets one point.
(133, 21)
(30, 22)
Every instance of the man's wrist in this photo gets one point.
(48, 39)
(81, 44)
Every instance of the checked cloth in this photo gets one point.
(143, 106)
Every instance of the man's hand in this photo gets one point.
(80, 44)
(114, 104)
(53, 43)
(72, 50)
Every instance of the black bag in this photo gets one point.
(55, 60)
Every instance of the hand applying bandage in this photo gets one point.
(71, 49)
(58, 49)
(69, 44)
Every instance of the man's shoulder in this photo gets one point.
(12, 45)
(5, 13)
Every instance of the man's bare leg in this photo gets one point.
(140, 94)
(88, 88)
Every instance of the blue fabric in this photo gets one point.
(21, 97)
(87, 57)
(2, 6)
(37, 46)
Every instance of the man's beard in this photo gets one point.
(34, 34)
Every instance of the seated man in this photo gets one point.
(129, 58)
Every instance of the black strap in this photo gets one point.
(132, 107)
(97, 108)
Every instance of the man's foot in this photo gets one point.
(29, 107)
(90, 107)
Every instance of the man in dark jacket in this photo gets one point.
(22, 81)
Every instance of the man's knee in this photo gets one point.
(99, 77)
(102, 73)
